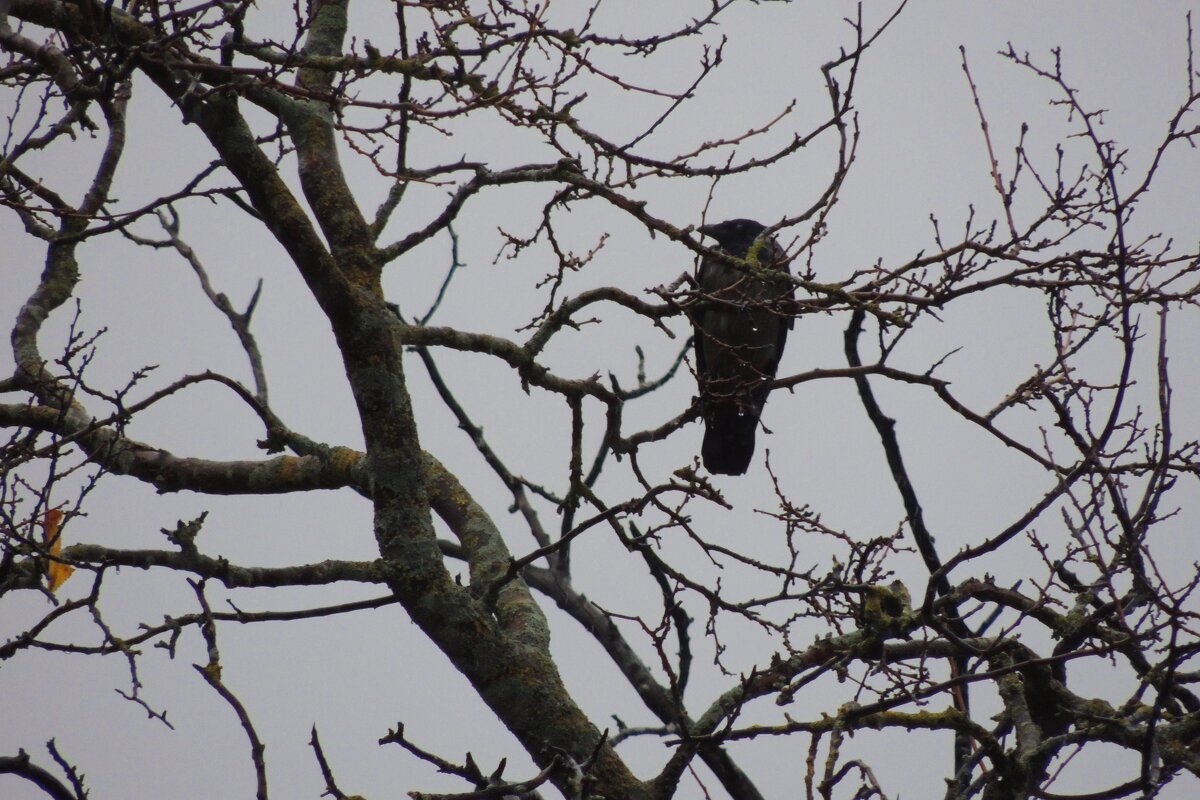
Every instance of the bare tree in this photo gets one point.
(998, 644)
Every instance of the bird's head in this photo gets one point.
(734, 235)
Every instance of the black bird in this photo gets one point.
(740, 333)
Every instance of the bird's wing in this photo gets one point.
(717, 327)
(769, 326)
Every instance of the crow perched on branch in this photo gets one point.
(740, 333)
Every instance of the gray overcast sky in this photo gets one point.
(921, 153)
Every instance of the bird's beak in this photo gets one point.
(706, 230)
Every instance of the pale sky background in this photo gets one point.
(921, 153)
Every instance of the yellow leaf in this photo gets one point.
(56, 571)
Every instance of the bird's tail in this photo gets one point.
(728, 440)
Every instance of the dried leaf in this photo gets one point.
(56, 571)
